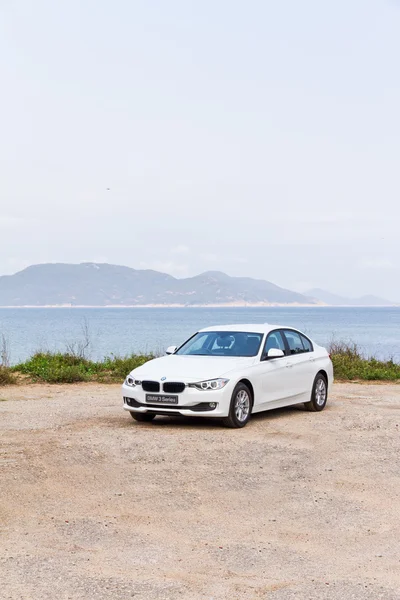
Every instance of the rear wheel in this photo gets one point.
(142, 417)
(240, 408)
(319, 394)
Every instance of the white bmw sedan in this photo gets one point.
(231, 372)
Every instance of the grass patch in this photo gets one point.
(69, 368)
(6, 376)
(350, 365)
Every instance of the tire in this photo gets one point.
(319, 394)
(142, 417)
(240, 407)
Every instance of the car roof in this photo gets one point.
(248, 328)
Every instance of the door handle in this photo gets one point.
(289, 365)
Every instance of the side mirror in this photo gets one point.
(274, 353)
(171, 350)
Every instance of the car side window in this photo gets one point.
(307, 344)
(294, 342)
(274, 340)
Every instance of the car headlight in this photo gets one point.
(211, 384)
(131, 381)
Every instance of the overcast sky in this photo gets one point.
(257, 137)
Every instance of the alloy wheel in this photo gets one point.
(242, 405)
(320, 392)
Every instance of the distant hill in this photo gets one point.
(92, 284)
(334, 300)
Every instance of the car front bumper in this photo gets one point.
(191, 402)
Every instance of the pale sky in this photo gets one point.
(257, 137)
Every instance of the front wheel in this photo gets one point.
(142, 417)
(319, 394)
(240, 407)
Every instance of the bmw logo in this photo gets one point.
(163, 378)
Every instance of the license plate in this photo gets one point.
(151, 399)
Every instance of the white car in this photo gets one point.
(230, 372)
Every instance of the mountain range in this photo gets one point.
(101, 284)
(93, 284)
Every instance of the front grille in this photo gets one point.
(174, 387)
(151, 386)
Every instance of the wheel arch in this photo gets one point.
(250, 386)
(325, 374)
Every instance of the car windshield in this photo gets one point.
(222, 343)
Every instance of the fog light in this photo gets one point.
(212, 405)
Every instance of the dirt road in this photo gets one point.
(295, 506)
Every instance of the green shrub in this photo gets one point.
(56, 368)
(116, 368)
(349, 364)
(69, 368)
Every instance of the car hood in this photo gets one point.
(193, 368)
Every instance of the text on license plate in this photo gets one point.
(153, 399)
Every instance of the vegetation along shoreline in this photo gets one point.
(73, 367)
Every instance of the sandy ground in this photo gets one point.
(295, 506)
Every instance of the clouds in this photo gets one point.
(7, 222)
(180, 250)
(385, 264)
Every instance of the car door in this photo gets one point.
(300, 364)
(271, 372)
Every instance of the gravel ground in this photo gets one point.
(295, 506)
